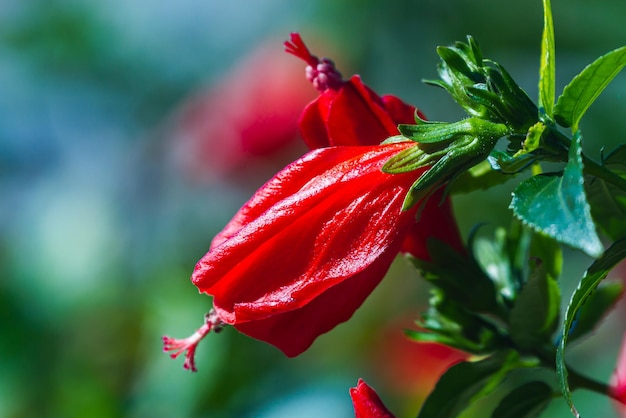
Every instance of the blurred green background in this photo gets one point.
(101, 222)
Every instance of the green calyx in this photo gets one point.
(448, 149)
(483, 87)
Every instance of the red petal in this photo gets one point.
(399, 111)
(294, 331)
(353, 115)
(312, 122)
(357, 116)
(367, 403)
(303, 234)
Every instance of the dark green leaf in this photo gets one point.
(608, 202)
(547, 250)
(547, 63)
(459, 276)
(595, 309)
(583, 90)
(594, 275)
(557, 205)
(465, 382)
(526, 401)
(536, 312)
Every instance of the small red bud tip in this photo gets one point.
(322, 73)
(189, 344)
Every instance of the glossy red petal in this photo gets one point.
(294, 331)
(336, 225)
(367, 403)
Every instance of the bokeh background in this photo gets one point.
(130, 132)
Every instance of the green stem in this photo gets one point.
(590, 167)
(579, 381)
(597, 170)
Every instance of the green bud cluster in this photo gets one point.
(483, 87)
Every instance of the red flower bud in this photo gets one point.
(311, 244)
(346, 112)
(367, 403)
(302, 255)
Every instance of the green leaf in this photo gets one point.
(465, 382)
(557, 206)
(608, 202)
(547, 65)
(583, 90)
(536, 312)
(595, 309)
(549, 252)
(459, 276)
(594, 275)
(526, 401)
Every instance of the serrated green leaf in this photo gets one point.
(595, 309)
(608, 202)
(594, 275)
(547, 63)
(557, 205)
(465, 382)
(583, 90)
(536, 312)
(525, 401)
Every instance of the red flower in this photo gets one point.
(307, 249)
(367, 403)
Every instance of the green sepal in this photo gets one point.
(464, 152)
(525, 401)
(583, 90)
(432, 132)
(557, 205)
(594, 275)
